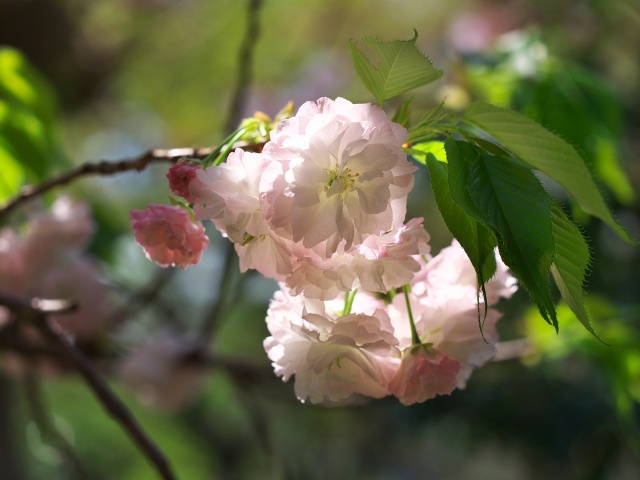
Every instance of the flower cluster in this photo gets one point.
(362, 308)
(321, 209)
(337, 352)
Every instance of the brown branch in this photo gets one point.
(104, 168)
(142, 298)
(245, 65)
(218, 306)
(36, 311)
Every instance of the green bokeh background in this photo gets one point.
(128, 75)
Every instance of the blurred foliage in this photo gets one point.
(564, 97)
(29, 129)
(617, 361)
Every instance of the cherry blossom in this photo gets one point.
(181, 175)
(229, 196)
(423, 374)
(444, 300)
(168, 235)
(337, 172)
(333, 356)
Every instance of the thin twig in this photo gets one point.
(245, 65)
(143, 297)
(104, 168)
(226, 283)
(35, 311)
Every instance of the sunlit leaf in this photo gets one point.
(546, 152)
(420, 151)
(11, 173)
(28, 126)
(388, 69)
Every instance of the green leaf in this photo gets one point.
(477, 241)
(512, 200)
(570, 263)
(30, 148)
(546, 152)
(460, 156)
(420, 151)
(23, 86)
(388, 69)
(11, 173)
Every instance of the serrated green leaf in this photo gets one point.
(389, 69)
(459, 156)
(546, 152)
(570, 263)
(512, 200)
(477, 241)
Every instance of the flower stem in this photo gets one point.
(216, 157)
(348, 302)
(415, 338)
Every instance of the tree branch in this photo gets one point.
(35, 311)
(104, 168)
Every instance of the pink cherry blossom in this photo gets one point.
(337, 172)
(444, 305)
(168, 235)
(453, 269)
(332, 356)
(423, 374)
(229, 196)
(181, 175)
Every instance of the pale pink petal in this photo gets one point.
(423, 374)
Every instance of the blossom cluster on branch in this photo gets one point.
(363, 309)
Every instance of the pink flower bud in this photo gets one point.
(423, 374)
(180, 175)
(169, 235)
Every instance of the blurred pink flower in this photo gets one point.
(161, 373)
(169, 235)
(181, 175)
(423, 374)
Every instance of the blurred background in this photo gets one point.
(114, 78)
